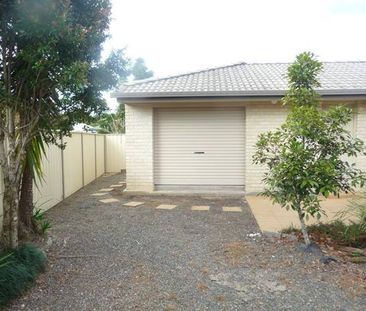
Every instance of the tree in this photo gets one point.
(50, 78)
(108, 123)
(140, 71)
(306, 157)
(114, 122)
(102, 77)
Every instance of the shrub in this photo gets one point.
(42, 223)
(18, 270)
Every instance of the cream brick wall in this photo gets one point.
(259, 118)
(139, 148)
(262, 118)
(361, 132)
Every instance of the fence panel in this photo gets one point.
(86, 157)
(89, 166)
(48, 191)
(100, 150)
(73, 168)
(115, 153)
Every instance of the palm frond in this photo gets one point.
(35, 153)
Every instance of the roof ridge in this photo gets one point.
(184, 73)
(323, 62)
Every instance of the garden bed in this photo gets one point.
(348, 241)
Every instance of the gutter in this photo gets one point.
(145, 100)
(250, 95)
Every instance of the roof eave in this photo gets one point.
(196, 94)
(245, 95)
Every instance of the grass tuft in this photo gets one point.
(18, 270)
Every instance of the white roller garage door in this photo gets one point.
(199, 146)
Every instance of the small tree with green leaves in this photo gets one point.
(307, 156)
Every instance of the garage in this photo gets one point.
(199, 147)
(198, 130)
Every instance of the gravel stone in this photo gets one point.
(113, 257)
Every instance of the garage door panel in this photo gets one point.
(217, 132)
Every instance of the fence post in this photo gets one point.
(82, 158)
(62, 168)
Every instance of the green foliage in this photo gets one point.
(43, 224)
(35, 153)
(140, 71)
(302, 79)
(109, 123)
(18, 270)
(57, 47)
(306, 157)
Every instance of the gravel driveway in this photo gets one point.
(106, 256)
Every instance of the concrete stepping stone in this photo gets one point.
(99, 194)
(106, 189)
(133, 203)
(111, 200)
(200, 208)
(231, 209)
(166, 206)
(115, 186)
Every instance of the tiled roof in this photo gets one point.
(266, 79)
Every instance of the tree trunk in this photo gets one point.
(303, 228)
(27, 225)
(10, 215)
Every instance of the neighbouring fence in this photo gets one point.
(85, 158)
(115, 155)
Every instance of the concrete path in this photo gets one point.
(273, 218)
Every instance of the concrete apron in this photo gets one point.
(223, 193)
(273, 218)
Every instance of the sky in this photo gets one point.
(175, 36)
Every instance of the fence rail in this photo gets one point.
(85, 158)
